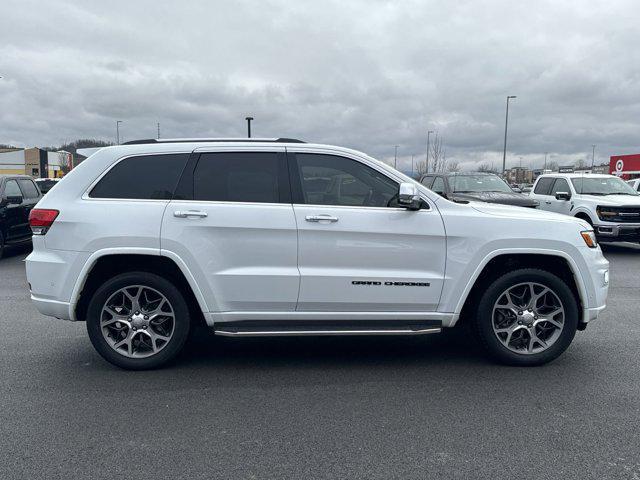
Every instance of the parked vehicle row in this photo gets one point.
(477, 186)
(278, 237)
(18, 195)
(607, 203)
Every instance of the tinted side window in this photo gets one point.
(144, 177)
(11, 189)
(240, 177)
(438, 186)
(427, 181)
(561, 185)
(28, 188)
(544, 185)
(333, 180)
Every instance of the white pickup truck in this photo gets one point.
(266, 237)
(607, 203)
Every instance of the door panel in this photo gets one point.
(243, 256)
(357, 250)
(360, 261)
(560, 206)
(235, 229)
(16, 215)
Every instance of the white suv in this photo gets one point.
(606, 202)
(144, 241)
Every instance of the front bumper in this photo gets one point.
(617, 232)
(596, 284)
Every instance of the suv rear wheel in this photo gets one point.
(138, 320)
(527, 317)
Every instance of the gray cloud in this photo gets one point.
(364, 74)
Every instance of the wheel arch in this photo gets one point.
(106, 264)
(584, 215)
(498, 263)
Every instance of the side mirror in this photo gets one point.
(14, 199)
(563, 196)
(409, 197)
(516, 189)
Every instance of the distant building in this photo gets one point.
(519, 175)
(35, 162)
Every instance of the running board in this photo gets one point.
(264, 328)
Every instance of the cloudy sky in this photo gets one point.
(364, 74)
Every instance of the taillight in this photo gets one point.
(40, 220)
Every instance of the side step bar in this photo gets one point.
(265, 328)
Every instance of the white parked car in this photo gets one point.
(279, 237)
(635, 184)
(606, 202)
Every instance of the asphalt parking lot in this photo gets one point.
(419, 407)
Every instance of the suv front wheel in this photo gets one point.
(527, 317)
(138, 320)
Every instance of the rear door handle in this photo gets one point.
(189, 213)
(321, 218)
(548, 202)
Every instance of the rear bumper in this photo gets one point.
(52, 276)
(52, 308)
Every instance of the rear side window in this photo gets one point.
(28, 188)
(241, 177)
(147, 177)
(11, 189)
(544, 186)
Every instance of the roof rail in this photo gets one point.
(196, 140)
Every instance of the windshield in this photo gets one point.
(602, 186)
(478, 183)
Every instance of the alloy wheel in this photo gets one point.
(137, 321)
(528, 318)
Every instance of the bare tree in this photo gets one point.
(487, 167)
(580, 163)
(453, 166)
(552, 165)
(421, 167)
(437, 155)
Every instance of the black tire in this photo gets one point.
(484, 317)
(1, 244)
(169, 351)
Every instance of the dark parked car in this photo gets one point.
(476, 186)
(46, 184)
(18, 195)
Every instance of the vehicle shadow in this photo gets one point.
(455, 346)
(623, 247)
(14, 251)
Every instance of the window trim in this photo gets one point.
(86, 196)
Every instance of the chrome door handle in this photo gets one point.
(189, 213)
(321, 218)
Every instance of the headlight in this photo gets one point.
(589, 238)
(605, 213)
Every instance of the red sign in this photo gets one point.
(625, 165)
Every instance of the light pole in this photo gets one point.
(118, 122)
(506, 123)
(545, 162)
(395, 157)
(428, 138)
(158, 130)
(248, 119)
(412, 169)
(593, 156)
